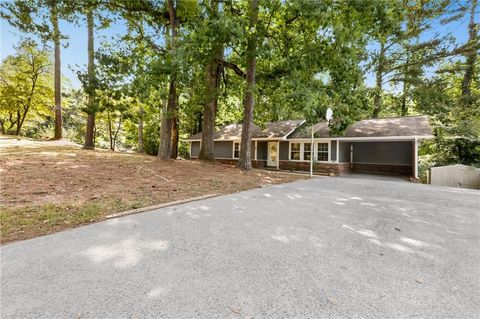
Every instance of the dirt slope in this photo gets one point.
(49, 186)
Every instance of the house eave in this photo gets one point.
(383, 138)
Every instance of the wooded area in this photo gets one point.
(187, 66)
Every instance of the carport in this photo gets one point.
(380, 155)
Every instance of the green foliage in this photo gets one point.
(456, 124)
(151, 137)
(26, 88)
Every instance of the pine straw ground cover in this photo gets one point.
(50, 186)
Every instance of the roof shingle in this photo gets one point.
(392, 126)
(234, 131)
(383, 127)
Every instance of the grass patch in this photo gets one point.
(30, 221)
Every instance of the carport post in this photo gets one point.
(338, 151)
(415, 158)
(278, 155)
(311, 152)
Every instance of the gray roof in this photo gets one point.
(319, 130)
(279, 129)
(271, 130)
(383, 127)
(392, 126)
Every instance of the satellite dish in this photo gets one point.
(329, 114)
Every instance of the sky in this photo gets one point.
(75, 55)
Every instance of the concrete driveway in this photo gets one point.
(321, 248)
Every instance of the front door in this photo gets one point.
(272, 157)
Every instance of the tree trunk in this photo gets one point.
(115, 135)
(471, 55)
(89, 134)
(57, 73)
(164, 131)
(212, 83)
(164, 150)
(110, 130)
(12, 122)
(140, 130)
(377, 99)
(19, 126)
(22, 119)
(175, 138)
(244, 161)
(404, 109)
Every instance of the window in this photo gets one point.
(295, 151)
(307, 151)
(236, 149)
(322, 152)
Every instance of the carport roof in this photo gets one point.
(392, 126)
(406, 126)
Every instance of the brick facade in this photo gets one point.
(330, 168)
(255, 163)
(319, 168)
(383, 168)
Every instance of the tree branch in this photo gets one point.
(233, 67)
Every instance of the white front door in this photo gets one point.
(272, 157)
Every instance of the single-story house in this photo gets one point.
(383, 145)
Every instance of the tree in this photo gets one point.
(25, 86)
(407, 46)
(244, 160)
(90, 83)
(58, 70)
(140, 147)
(157, 25)
(169, 119)
(212, 84)
(401, 56)
(114, 110)
(41, 18)
(471, 55)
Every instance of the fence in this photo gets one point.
(455, 176)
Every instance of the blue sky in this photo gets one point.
(76, 52)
